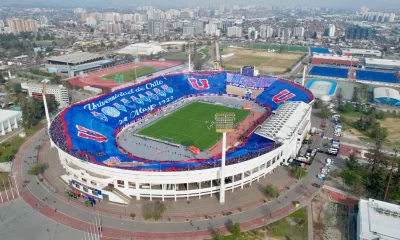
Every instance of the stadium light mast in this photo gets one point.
(189, 57)
(46, 109)
(224, 123)
(304, 76)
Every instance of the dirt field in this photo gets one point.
(263, 60)
(392, 125)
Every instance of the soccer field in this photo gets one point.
(263, 60)
(129, 75)
(190, 125)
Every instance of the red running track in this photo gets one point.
(94, 78)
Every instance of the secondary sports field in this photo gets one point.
(264, 61)
(192, 125)
(129, 75)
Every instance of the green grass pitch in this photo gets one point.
(129, 75)
(190, 125)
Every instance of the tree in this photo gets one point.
(358, 188)
(17, 87)
(198, 64)
(271, 191)
(235, 230)
(218, 235)
(298, 172)
(324, 113)
(352, 163)
(339, 96)
(377, 182)
(153, 210)
(38, 169)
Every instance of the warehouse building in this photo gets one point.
(382, 64)
(326, 59)
(378, 220)
(387, 95)
(361, 52)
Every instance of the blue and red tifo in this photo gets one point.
(87, 130)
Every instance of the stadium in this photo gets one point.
(157, 139)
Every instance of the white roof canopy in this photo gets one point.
(284, 123)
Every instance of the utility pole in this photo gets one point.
(391, 174)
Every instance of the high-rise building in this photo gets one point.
(1, 23)
(359, 32)
(113, 27)
(226, 24)
(91, 21)
(234, 32)
(20, 25)
(329, 30)
(284, 33)
(266, 31)
(157, 28)
(379, 17)
(43, 21)
(298, 32)
(252, 33)
(211, 29)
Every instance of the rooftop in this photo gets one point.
(336, 57)
(76, 58)
(385, 62)
(379, 220)
(7, 114)
(360, 51)
(285, 122)
(384, 92)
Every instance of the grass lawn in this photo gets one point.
(4, 176)
(190, 125)
(287, 229)
(11, 146)
(129, 75)
(182, 56)
(264, 61)
(391, 123)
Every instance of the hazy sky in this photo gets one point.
(373, 4)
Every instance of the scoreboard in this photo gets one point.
(247, 71)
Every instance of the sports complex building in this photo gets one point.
(157, 139)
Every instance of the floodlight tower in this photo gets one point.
(46, 109)
(224, 123)
(304, 75)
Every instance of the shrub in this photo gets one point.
(132, 215)
(38, 169)
(298, 172)
(271, 191)
(153, 210)
(235, 229)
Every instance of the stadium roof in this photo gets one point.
(76, 58)
(8, 114)
(141, 49)
(336, 57)
(384, 92)
(378, 220)
(382, 62)
(284, 123)
(361, 51)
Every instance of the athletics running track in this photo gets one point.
(95, 78)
